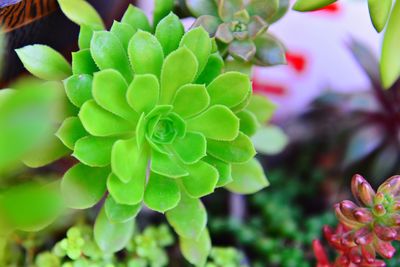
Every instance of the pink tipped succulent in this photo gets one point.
(367, 229)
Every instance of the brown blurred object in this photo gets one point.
(42, 22)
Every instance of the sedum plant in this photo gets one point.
(156, 123)
(240, 28)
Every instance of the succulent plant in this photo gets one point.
(156, 122)
(240, 28)
(367, 229)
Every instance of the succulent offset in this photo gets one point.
(156, 121)
(240, 27)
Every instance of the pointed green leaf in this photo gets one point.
(143, 93)
(201, 180)
(85, 36)
(270, 140)
(81, 13)
(128, 162)
(94, 151)
(306, 5)
(118, 213)
(186, 94)
(270, 51)
(79, 89)
(229, 89)
(264, 9)
(198, 41)
(239, 150)
(162, 193)
(124, 32)
(109, 92)
(109, 53)
(180, 68)
(199, 8)
(196, 251)
(223, 168)
(100, 122)
(261, 107)
(70, 131)
(390, 58)
(82, 62)
(211, 71)
(44, 62)
(218, 122)
(112, 237)
(130, 193)
(161, 9)
(248, 122)
(379, 11)
(169, 33)
(83, 186)
(209, 23)
(248, 178)
(198, 146)
(146, 54)
(136, 18)
(189, 218)
(167, 165)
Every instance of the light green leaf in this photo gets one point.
(83, 186)
(189, 218)
(213, 68)
(146, 54)
(180, 68)
(218, 123)
(85, 36)
(130, 193)
(270, 140)
(109, 92)
(379, 11)
(306, 5)
(223, 168)
(109, 53)
(128, 161)
(161, 9)
(198, 146)
(167, 165)
(79, 89)
(248, 178)
(162, 193)
(70, 131)
(136, 18)
(229, 89)
(169, 33)
(196, 251)
(81, 13)
(261, 107)
(112, 237)
(198, 41)
(100, 122)
(201, 180)
(118, 213)
(94, 151)
(44, 62)
(239, 150)
(143, 93)
(196, 95)
(248, 122)
(390, 58)
(82, 62)
(199, 8)
(124, 32)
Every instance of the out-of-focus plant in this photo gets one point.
(383, 14)
(134, 132)
(365, 230)
(240, 28)
(225, 257)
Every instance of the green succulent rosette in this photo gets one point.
(240, 27)
(156, 123)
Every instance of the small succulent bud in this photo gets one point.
(391, 186)
(379, 210)
(363, 215)
(385, 233)
(363, 236)
(366, 193)
(379, 198)
(354, 256)
(384, 249)
(368, 253)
